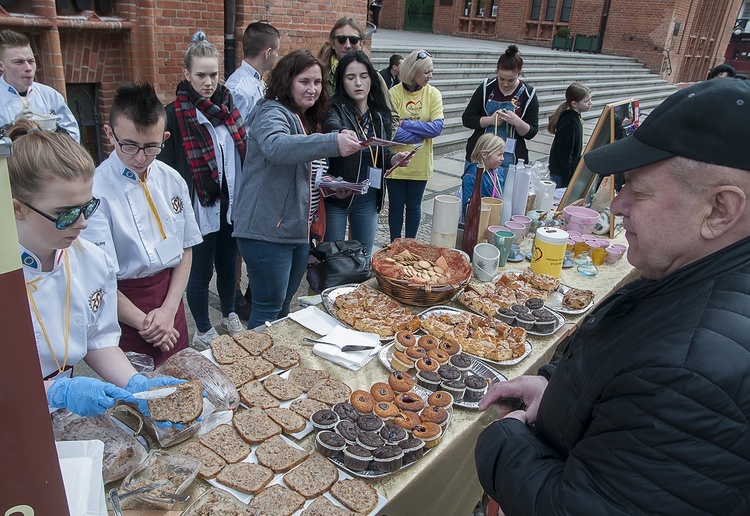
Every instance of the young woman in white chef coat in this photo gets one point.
(70, 283)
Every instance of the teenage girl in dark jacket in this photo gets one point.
(565, 123)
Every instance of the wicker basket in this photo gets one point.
(417, 294)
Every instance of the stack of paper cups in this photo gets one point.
(445, 215)
(545, 196)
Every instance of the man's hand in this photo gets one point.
(529, 388)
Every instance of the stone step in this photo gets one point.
(381, 54)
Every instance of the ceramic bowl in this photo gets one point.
(578, 218)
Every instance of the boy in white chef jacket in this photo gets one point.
(20, 96)
(145, 224)
(70, 283)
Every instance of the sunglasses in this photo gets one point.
(68, 217)
(354, 40)
(423, 55)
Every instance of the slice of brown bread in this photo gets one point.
(253, 342)
(306, 407)
(355, 494)
(305, 378)
(254, 425)
(290, 421)
(259, 366)
(225, 441)
(246, 477)
(279, 455)
(330, 392)
(182, 406)
(313, 477)
(226, 351)
(277, 500)
(281, 356)
(253, 394)
(238, 372)
(281, 388)
(324, 507)
(211, 462)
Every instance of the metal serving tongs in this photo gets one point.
(115, 497)
(342, 348)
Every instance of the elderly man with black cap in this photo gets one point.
(648, 411)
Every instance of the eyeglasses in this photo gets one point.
(423, 55)
(69, 217)
(132, 149)
(354, 40)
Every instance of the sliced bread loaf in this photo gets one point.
(324, 507)
(306, 407)
(238, 372)
(290, 421)
(305, 378)
(281, 388)
(277, 500)
(355, 494)
(313, 477)
(226, 351)
(225, 441)
(330, 392)
(211, 462)
(281, 356)
(246, 477)
(254, 426)
(253, 394)
(182, 406)
(279, 455)
(253, 342)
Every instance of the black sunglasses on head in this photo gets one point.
(69, 217)
(354, 40)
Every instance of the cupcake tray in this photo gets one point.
(329, 295)
(278, 478)
(284, 373)
(559, 320)
(478, 368)
(371, 473)
(450, 310)
(564, 289)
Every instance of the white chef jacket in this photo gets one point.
(229, 164)
(124, 225)
(93, 303)
(247, 89)
(43, 100)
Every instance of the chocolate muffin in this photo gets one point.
(428, 379)
(457, 388)
(525, 321)
(370, 440)
(329, 444)
(393, 434)
(449, 372)
(520, 309)
(346, 410)
(476, 386)
(348, 430)
(506, 315)
(460, 362)
(357, 458)
(324, 419)
(370, 423)
(534, 303)
(388, 458)
(545, 323)
(413, 449)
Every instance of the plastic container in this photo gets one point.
(549, 251)
(521, 188)
(178, 470)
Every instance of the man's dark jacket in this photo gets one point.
(647, 412)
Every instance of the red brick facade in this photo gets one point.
(635, 28)
(145, 40)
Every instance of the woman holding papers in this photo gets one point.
(358, 105)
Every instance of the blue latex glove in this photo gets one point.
(85, 396)
(139, 383)
(423, 129)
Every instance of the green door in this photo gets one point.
(418, 15)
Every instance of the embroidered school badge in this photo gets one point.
(95, 300)
(177, 204)
(29, 260)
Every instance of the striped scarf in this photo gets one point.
(197, 141)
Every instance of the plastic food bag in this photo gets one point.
(142, 363)
(122, 452)
(191, 365)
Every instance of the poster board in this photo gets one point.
(618, 120)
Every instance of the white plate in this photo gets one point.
(478, 368)
(278, 478)
(329, 296)
(81, 467)
(449, 309)
(563, 289)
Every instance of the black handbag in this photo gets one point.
(338, 263)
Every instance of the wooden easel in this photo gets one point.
(609, 127)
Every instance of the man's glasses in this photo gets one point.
(129, 148)
(69, 217)
(354, 40)
(423, 55)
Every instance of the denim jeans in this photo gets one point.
(362, 214)
(275, 272)
(218, 249)
(404, 192)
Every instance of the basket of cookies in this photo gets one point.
(420, 274)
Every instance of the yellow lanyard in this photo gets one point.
(152, 206)
(32, 284)
(24, 99)
(373, 155)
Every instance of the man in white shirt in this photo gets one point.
(20, 96)
(260, 46)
